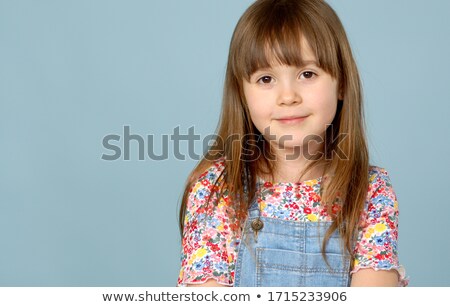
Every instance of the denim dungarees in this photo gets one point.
(288, 254)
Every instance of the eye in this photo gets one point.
(265, 80)
(307, 74)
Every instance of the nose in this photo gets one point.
(288, 94)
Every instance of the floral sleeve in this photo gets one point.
(378, 233)
(208, 246)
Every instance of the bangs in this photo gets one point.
(279, 34)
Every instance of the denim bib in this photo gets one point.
(288, 254)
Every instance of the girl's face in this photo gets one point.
(292, 106)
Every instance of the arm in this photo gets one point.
(376, 259)
(371, 278)
(207, 236)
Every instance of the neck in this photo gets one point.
(291, 163)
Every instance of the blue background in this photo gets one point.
(73, 72)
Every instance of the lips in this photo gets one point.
(292, 119)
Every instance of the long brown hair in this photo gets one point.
(281, 25)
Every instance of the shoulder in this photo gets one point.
(205, 183)
(378, 176)
(209, 175)
(380, 183)
(381, 202)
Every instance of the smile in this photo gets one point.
(293, 120)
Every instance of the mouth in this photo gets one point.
(292, 120)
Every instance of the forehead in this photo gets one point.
(294, 52)
(295, 55)
(283, 46)
(288, 33)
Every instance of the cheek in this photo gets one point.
(258, 114)
(326, 104)
(329, 111)
(259, 110)
(329, 102)
(333, 102)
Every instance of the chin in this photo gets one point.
(289, 145)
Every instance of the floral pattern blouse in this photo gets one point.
(210, 241)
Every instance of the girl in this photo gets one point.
(286, 195)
